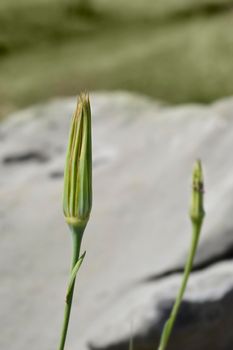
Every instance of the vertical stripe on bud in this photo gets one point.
(197, 212)
(77, 198)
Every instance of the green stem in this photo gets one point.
(188, 267)
(77, 239)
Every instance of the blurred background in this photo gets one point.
(131, 55)
(174, 50)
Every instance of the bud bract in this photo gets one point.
(77, 197)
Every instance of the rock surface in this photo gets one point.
(139, 232)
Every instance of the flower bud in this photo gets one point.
(197, 212)
(77, 197)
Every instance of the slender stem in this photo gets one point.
(77, 238)
(188, 267)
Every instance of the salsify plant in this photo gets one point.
(77, 203)
(77, 197)
(197, 214)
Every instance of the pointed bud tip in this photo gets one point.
(83, 103)
(198, 176)
(83, 99)
(198, 166)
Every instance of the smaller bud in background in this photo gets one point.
(197, 215)
(197, 212)
(77, 198)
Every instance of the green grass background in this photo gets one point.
(174, 50)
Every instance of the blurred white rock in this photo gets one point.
(139, 231)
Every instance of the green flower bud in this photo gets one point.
(77, 198)
(197, 212)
